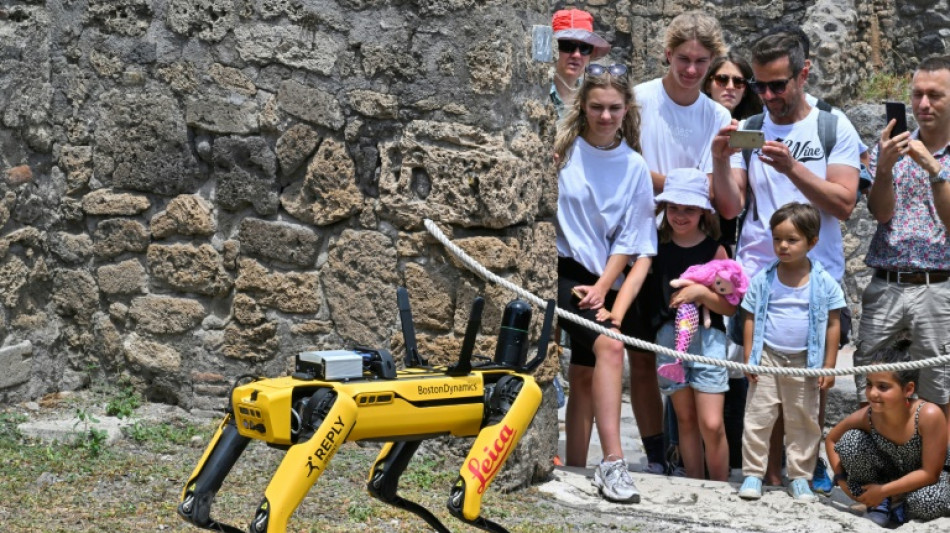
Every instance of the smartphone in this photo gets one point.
(577, 294)
(896, 110)
(746, 139)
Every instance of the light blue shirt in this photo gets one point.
(825, 296)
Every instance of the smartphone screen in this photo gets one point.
(896, 110)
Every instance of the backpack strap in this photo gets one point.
(827, 131)
(823, 105)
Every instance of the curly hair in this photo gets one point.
(574, 123)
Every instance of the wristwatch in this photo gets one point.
(940, 177)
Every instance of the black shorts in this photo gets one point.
(569, 275)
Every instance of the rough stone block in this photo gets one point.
(310, 104)
(209, 20)
(295, 146)
(16, 362)
(328, 193)
(185, 215)
(162, 315)
(264, 44)
(19, 175)
(278, 241)
(106, 202)
(188, 268)
(246, 171)
(116, 236)
(127, 277)
(374, 104)
(222, 116)
(258, 343)
(75, 294)
(150, 355)
(293, 292)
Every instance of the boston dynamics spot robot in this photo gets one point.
(358, 395)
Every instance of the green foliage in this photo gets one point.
(90, 439)
(884, 86)
(9, 434)
(162, 435)
(124, 403)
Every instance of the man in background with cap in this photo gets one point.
(577, 45)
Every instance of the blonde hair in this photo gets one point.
(708, 224)
(575, 122)
(695, 26)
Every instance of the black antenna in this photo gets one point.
(545, 337)
(464, 366)
(413, 358)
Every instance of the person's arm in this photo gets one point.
(593, 295)
(856, 420)
(728, 184)
(834, 195)
(881, 197)
(658, 181)
(832, 338)
(941, 190)
(630, 288)
(932, 427)
(747, 334)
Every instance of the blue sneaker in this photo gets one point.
(751, 488)
(800, 492)
(820, 482)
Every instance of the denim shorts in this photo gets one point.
(701, 377)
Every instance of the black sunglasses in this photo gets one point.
(776, 86)
(598, 70)
(722, 80)
(568, 47)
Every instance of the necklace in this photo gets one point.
(611, 145)
(567, 86)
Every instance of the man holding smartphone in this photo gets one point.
(809, 156)
(910, 251)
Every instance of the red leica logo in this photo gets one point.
(486, 469)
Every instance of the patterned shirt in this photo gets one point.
(914, 238)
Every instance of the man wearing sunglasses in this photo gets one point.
(577, 45)
(796, 163)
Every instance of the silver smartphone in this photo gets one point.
(746, 139)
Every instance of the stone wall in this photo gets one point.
(198, 189)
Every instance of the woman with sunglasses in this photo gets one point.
(604, 223)
(726, 84)
(577, 45)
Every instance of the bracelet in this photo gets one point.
(942, 176)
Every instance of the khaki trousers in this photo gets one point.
(797, 400)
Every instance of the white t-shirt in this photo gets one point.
(604, 206)
(786, 321)
(773, 189)
(674, 136)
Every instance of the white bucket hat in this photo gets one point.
(686, 186)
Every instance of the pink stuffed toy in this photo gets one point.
(725, 277)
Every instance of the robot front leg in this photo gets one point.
(330, 418)
(384, 480)
(512, 406)
(223, 451)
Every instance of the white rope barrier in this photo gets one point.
(487, 275)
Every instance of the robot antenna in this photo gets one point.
(413, 359)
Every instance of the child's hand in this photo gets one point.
(753, 378)
(692, 294)
(872, 496)
(826, 382)
(604, 315)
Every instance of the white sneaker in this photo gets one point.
(614, 481)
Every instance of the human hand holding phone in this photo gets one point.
(896, 111)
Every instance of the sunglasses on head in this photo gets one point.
(568, 47)
(598, 70)
(776, 86)
(722, 80)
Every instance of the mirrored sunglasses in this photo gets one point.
(568, 47)
(722, 80)
(598, 70)
(776, 86)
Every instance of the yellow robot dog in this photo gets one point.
(357, 395)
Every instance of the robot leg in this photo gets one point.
(513, 404)
(223, 451)
(384, 480)
(330, 418)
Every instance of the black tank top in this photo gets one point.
(670, 262)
